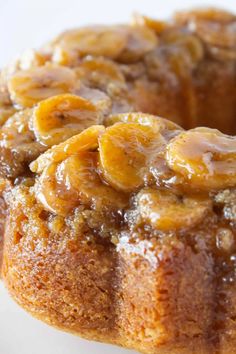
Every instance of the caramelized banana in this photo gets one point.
(123, 42)
(213, 26)
(206, 157)
(100, 73)
(166, 211)
(157, 123)
(53, 195)
(60, 117)
(208, 14)
(79, 173)
(97, 41)
(85, 141)
(124, 153)
(75, 181)
(31, 86)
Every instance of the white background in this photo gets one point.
(28, 24)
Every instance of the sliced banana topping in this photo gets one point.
(124, 42)
(80, 173)
(95, 40)
(53, 195)
(166, 211)
(85, 141)
(60, 117)
(205, 157)
(157, 123)
(124, 153)
(28, 87)
(75, 181)
(212, 25)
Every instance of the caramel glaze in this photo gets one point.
(121, 227)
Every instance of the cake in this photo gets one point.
(119, 225)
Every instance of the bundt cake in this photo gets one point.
(116, 224)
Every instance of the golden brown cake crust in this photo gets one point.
(153, 295)
(89, 288)
(121, 227)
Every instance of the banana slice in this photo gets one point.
(79, 173)
(157, 123)
(85, 141)
(124, 153)
(166, 211)
(125, 43)
(28, 87)
(206, 157)
(60, 117)
(213, 26)
(207, 14)
(75, 181)
(96, 41)
(53, 195)
(100, 73)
